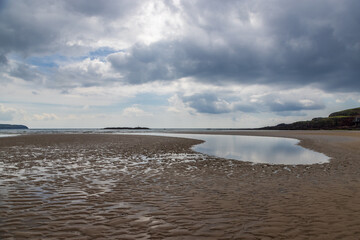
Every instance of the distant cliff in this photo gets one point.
(11, 126)
(346, 119)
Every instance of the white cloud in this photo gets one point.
(156, 21)
(176, 104)
(44, 117)
(135, 111)
(7, 114)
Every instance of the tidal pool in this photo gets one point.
(271, 150)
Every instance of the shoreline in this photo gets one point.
(95, 186)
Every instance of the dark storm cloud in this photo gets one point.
(146, 63)
(3, 60)
(288, 104)
(23, 32)
(106, 9)
(308, 43)
(169, 60)
(25, 72)
(293, 106)
(212, 104)
(221, 102)
(207, 103)
(42, 27)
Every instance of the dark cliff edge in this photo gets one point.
(12, 126)
(343, 120)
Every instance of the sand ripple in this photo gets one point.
(130, 187)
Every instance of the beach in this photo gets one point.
(109, 186)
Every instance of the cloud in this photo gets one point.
(32, 31)
(207, 103)
(280, 103)
(44, 117)
(168, 61)
(277, 105)
(71, 28)
(245, 42)
(85, 73)
(297, 44)
(291, 102)
(107, 9)
(245, 99)
(7, 114)
(135, 111)
(3, 60)
(25, 72)
(212, 104)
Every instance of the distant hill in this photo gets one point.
(346, 119)
(127, 128)
(11, 126)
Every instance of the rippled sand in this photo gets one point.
(94, 186)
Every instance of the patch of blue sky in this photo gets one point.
(102, 52)
(47, 61)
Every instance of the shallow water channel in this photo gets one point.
(271, 150)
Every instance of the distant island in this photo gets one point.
(12, 126)
(347, 120)
(127, 128)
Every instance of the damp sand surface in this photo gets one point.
(98, 186)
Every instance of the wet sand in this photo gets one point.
(97, 186)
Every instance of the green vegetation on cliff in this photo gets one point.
(346, 113)
(346, 119)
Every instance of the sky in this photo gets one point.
(177, 63)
